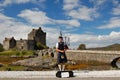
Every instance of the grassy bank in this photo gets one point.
(12, 68)
(6, 59)
(15, 52)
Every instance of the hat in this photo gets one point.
(61, 37)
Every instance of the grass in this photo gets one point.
(6, 60)
(9, 52)
(88, 65)
(9, 60)
(46, 56)
(75, 67)
(15, 52)
(12, 68)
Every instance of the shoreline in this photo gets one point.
(51, 74)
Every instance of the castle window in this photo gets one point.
(21, 47)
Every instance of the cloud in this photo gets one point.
(52, 36)
(40, 18)
(56, 1)
(72, 23)
(94, 40)
(10, 27)
(115, 2)
(113, 23)
(35, 17)
(9, 2)
(84, 13)
(113, 36)
(116, 11)
(98, 2)
(75, 10)
(70, 4)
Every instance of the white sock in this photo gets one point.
(63, 67)
(60, 67)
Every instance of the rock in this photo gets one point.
(13, 56)
(36, 62)
(41, 60)
(1, 65)
(29, 62)
(28, 69)
(26, 56)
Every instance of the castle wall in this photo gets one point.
(31, 35)
(31, 44)
(41, 38)
(6, 45)
(22, 45)
(36, 35)
(12, 43)
(9, 43)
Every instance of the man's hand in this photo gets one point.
(62, 51)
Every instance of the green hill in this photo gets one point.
(114, 47)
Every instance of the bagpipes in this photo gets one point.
(66, 46)
(67, 42)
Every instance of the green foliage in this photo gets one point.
(17, 53)
(54, 47)
(1, 48)
(82, 47)
(8, 69)
(12, 68)
(24, 52)
(114, 47)
(41, 46)
(9, 52)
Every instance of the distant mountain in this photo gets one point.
(113, 47)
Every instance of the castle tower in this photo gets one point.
(22, 44)
(38, 36)
(9, 43)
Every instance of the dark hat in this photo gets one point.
(60, 37)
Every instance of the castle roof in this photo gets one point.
(36, 30)
(8, 39)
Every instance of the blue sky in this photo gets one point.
(93, 22)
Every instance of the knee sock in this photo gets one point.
(63, 67)
(60, 67)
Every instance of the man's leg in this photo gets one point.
(63, 67)
(60, 67)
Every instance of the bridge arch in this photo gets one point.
(115, 62)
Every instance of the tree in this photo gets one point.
(41, 46)
(54, 47)
(1, 47)
(82, 47)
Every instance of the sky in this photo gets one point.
(95, 23)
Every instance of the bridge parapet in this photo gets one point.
(94, 51)
(91, 55)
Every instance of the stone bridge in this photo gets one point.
(92, 55)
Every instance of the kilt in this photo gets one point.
(61, 58)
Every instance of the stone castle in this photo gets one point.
(34, 37)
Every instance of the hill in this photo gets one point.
(113, 47)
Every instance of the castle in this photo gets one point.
(34, 37)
